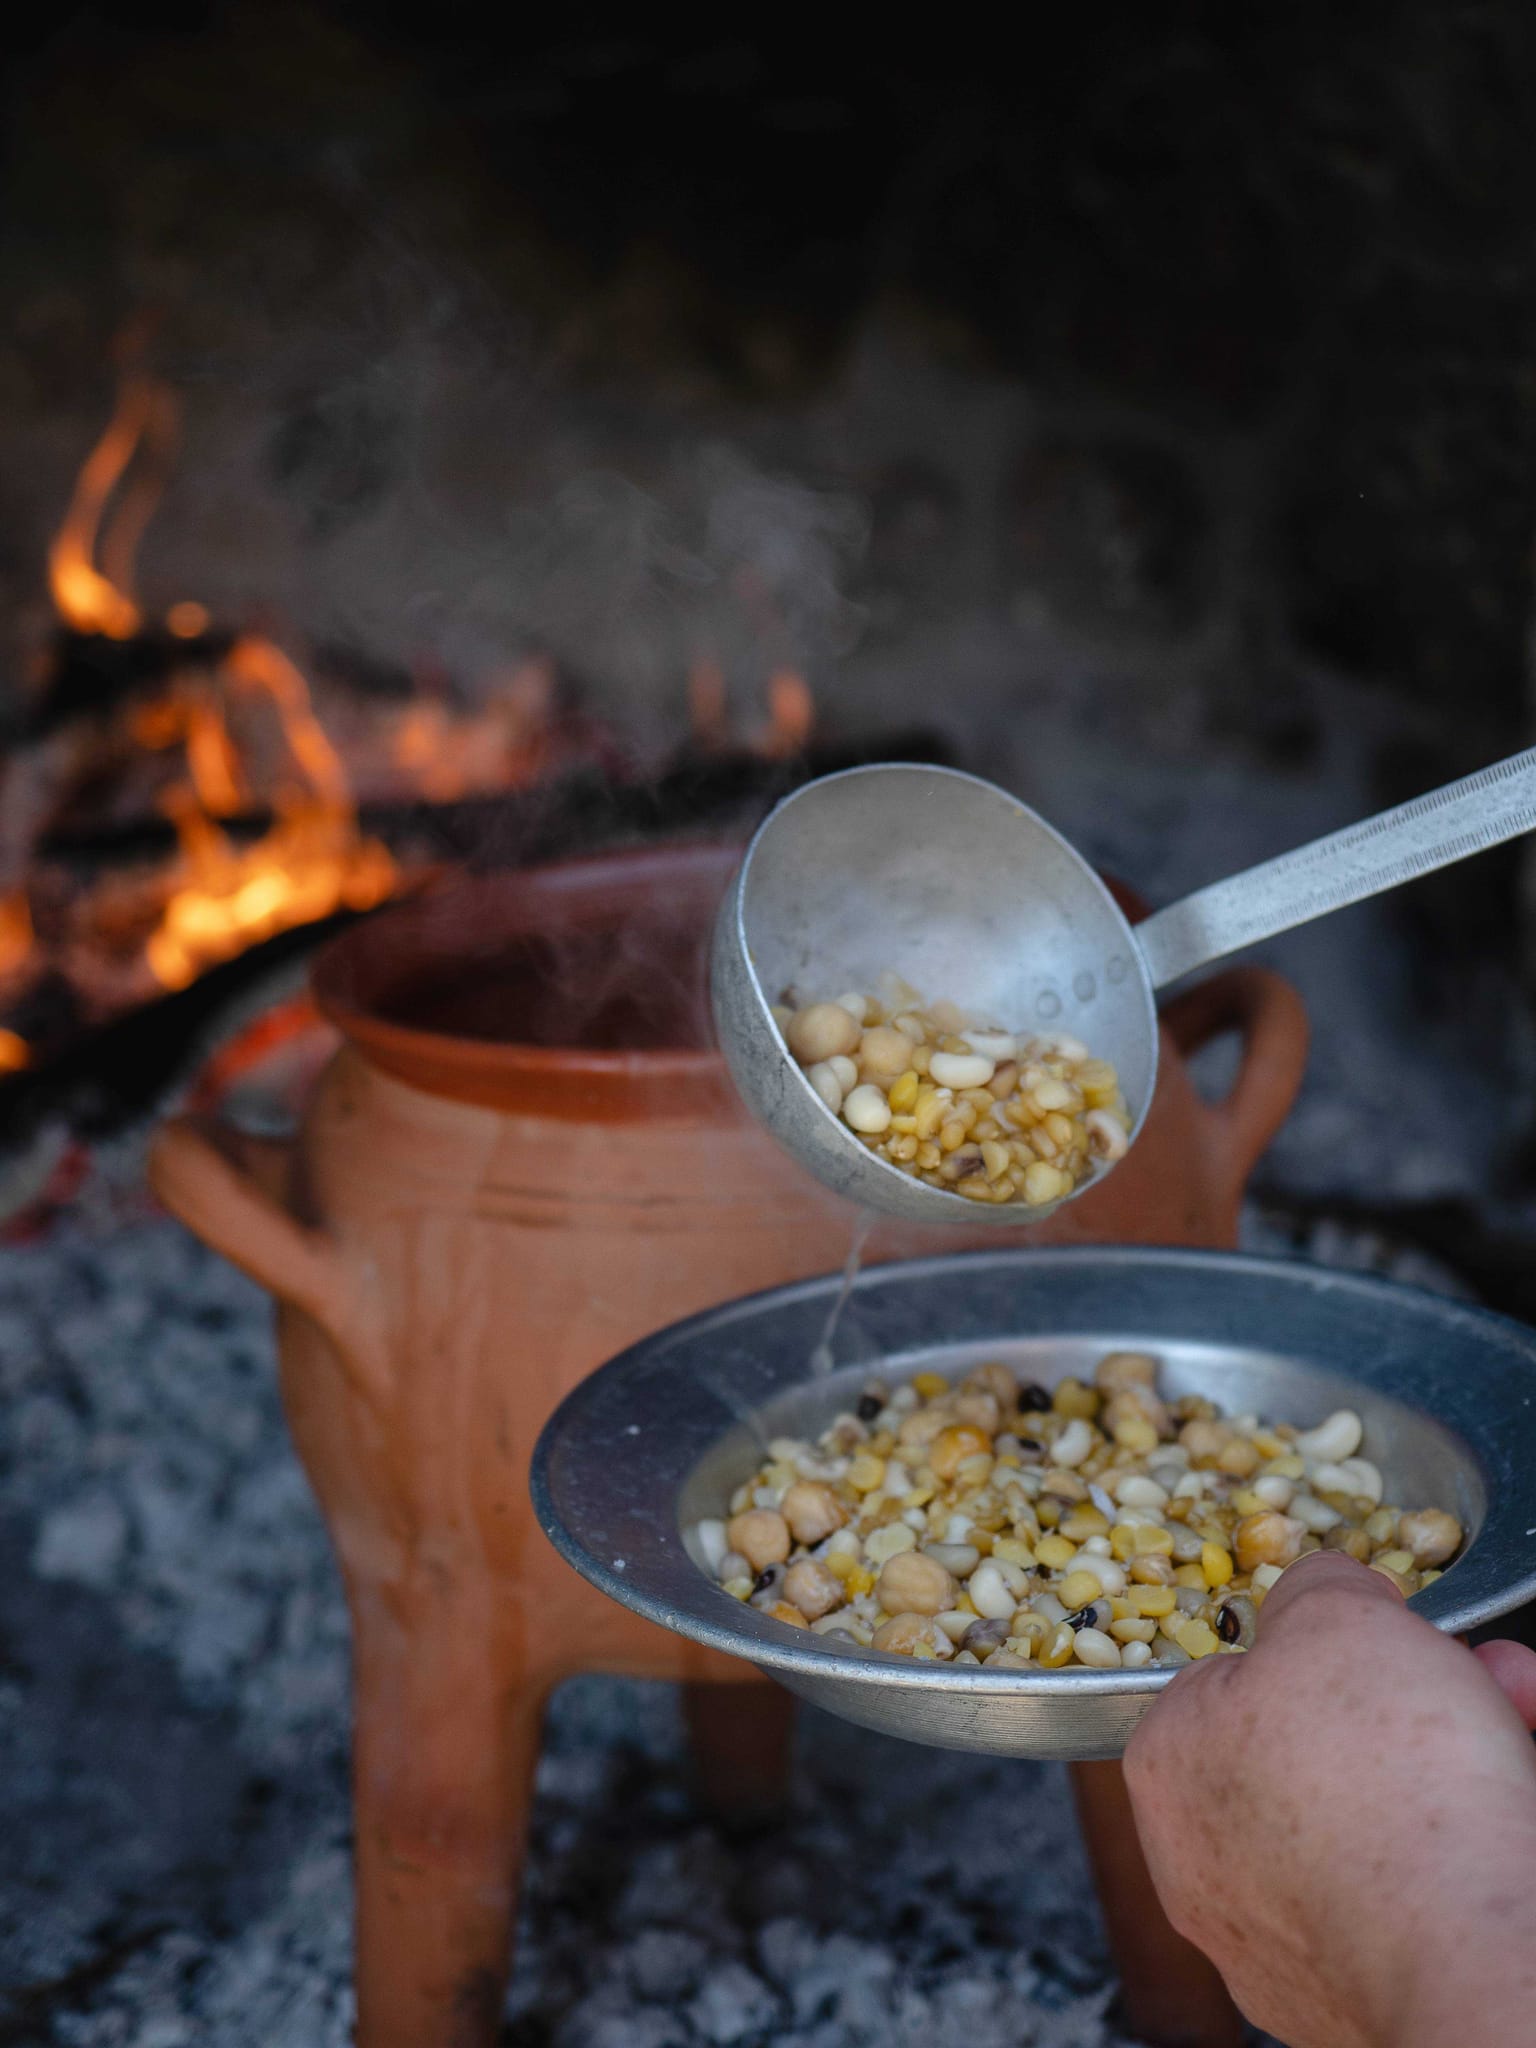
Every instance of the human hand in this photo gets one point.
(1344, 1820)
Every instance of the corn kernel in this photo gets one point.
(1189, 1575)
(1083, 1522)
(860, 1582)
(840, 1564)
(1012, 1550)
(903, 1095)
(1216, 1564)
(930, 1385)
(1056, 1650)
(1153, 1600)
(1073, 1399)
(865, 1472)
(1152, 1542)
(1122, 1541)
(1054, 1551)
(1198, 1638)
(1077, 1589)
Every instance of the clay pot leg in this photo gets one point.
(742, 1736)
(1172, 1997)
(446, 1737)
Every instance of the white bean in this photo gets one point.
(1074, 1443)
(1134, 1655)
(713, 1546)
(993, 1045)
(845, 1069)
(1107, 1137)
(823, 1078)
(1274, 1490)
(856, 1005)
(1109, 1573)
(867, 1110)
(989, 1594)
(1338, 1437)
(1137, 1491)
(958, 1559)
(1092, 1646)
(961, 1069)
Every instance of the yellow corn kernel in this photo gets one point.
(919, 1496)
(930, 1113)
(995, 1158)
(1122, 1541)
(782, 1611)
(951, 1136)
(1395, 1561)
(903, 1150)
(1152, 1542)
(1056, 1650)
(1077, 1589)
(1189, 1575)
(1073, 1399)
(1129, 1630)
(865, 1472)
(1011, 1550)
(1047, 1511)
(1009, 1460)
(1099, 1083)
(1286, 1466)
(1082, 1522)
(1053, 1551)
(1246, 1502)
(903, 1095)
(860, 1582)
(904, 1127)
(1268, 1445)
(1199, 1639)
(1153, 1600)
(840, 1564)
(1135, 1433)
(1216, 1564)
(1120, 1608)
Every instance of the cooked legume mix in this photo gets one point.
(993, 1522)
(977, 1111)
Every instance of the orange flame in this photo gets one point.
(90, 569)
(791, 715)
(15, 932)
(15, 1053)
(311, 863)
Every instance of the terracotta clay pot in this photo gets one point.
(524, 1157)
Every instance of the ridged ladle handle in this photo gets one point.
(1447, 825)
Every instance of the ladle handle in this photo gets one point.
(1447, 825)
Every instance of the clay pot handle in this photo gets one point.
(1272, 1020)
(209, 1178)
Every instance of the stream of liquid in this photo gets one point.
(821, 1357)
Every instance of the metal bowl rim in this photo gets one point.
(829, 1666)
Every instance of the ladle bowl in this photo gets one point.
(658, 1439)
(968, 895)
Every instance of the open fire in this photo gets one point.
(215, 734)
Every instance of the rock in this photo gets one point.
(82, 1541)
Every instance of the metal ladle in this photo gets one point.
(968, 895)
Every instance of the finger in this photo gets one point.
(1323, 1571)
(1512, 1667)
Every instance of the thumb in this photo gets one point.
(1512, 1667)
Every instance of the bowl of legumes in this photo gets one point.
(1035, 1484)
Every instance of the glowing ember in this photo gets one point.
(15, 1053)
(187, 620)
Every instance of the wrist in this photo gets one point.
(1466, 1972)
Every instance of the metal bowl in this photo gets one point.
(658, 1439)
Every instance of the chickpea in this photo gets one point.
(885, 1053)
(952, 1446)
(821, 1032)
(979, 1408)
(1430, 1537)
(1204, 1441)
(996, 1379)
(761, 1535)
(903, 1634)
(812, 1512)
(809, 1586)
(1122, 1372)
(1268, 1538)
(911, 1583)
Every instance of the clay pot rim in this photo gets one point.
(494, 1071)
